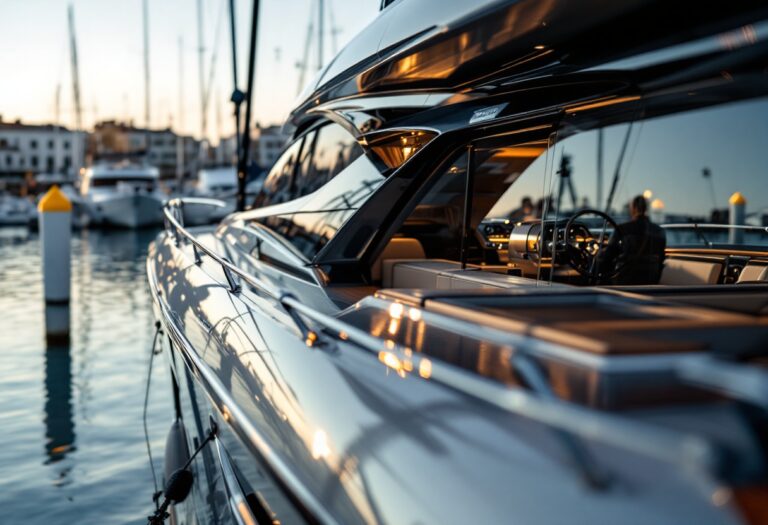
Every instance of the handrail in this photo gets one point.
(252, 436)
(697, 226)
(667, 445)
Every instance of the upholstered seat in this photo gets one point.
(688, 271)
(754, 272)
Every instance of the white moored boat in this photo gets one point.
(125, 195)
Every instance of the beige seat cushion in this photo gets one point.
(441, 274)
(397, 248)
(753, 272)
(416, 274)
(684, 271)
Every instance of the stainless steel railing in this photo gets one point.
(690, 450)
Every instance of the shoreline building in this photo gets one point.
(27, 150)
(266, 145)
(174, 155)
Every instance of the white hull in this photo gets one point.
(128, 211)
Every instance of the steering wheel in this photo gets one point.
(583, 248)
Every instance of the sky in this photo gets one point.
(35, 58)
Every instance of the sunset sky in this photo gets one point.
(35, 58)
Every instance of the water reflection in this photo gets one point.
(58, 417)
(71, 411)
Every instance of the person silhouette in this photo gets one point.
(638, 249)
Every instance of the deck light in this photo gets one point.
(320, 448)
(414, 314)
(396, 310)
(425, 368)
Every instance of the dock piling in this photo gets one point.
(55, 220)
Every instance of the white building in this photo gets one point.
(39, 149)
(166, 150)
(267, 144)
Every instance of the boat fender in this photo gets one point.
(181, 479)
(176, 449)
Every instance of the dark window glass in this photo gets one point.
(437, 219)
(686, 165)
(50, 144)
(66, 144)
(311, 229)
(142, 181)
(33, 161)
(701, 166)
(8, 160)
(334, 149)
(49, 164)
(308, 232)
(277, 185)
(304, 169)
(33, 144)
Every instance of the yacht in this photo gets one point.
(212, 183)
(16, 211)
(123, 195)
(436, 309)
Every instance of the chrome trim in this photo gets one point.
(237, 503)
(667, 445)
(307, 504)
(696, 226)
(743, 382)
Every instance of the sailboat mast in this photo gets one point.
(75, 90)
(57, 116)
(146, 68)
(320, 33)
(304, 64)
(180, 121)
(201, 69)
(243, 158)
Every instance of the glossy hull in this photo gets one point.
(127, 211)
(361, 443)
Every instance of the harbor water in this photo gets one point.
(72, 444)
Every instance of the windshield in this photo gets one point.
(701, 167)
(617, 205)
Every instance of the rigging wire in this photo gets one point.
(152, 352)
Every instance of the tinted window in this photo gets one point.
(304, 169)
(437, 219)
(334, 149)
(308, 232)
(686, 165)
(327, 209)
(277, 185)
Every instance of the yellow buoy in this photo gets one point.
(737, 198)
(54, 201)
